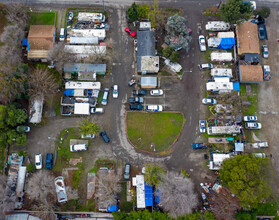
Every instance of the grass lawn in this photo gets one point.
(252, 97)
(42, 18)
(63, 149)
(160, 129)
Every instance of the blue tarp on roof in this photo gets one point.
(25, 42)
(226, 43)
(112, 208)
(236, 86)
(148, 195)
(69, 92)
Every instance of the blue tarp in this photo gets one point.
(25, 42)
(236, 86)
(148, 195)
(226, 43)
(69, 92)
(157, 196)
(112, 208)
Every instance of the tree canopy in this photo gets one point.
(132, 12)
(263, 11)
(235, 10)
(247, 177)
(177, 33)
(153, 173)
(86, 127)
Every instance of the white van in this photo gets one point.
(97, 110)
(154, 108)
(62, 34)
(78, 147)
(105, 96)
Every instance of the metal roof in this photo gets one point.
(84, 67)
(146, 43)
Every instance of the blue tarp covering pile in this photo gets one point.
(69, 92)
(157, 196)
(148, 195)
(226, 43)
(236, 86)
(112, 208)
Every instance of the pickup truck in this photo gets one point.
(133, 100)
(49, 158)
(139, 92)
(260, 144)
(196, 146)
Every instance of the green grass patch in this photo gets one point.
(252, 97)
(165, 73)
(100, 97)
(158, 129)
(63, 148)
(42, 18)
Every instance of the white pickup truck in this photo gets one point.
(260, 144)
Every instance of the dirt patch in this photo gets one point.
(74, 161)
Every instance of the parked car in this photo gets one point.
(139, 92)
(105, 97)
(208, 101)
(115, 92)
(136, 107)
(266, 72)
(127, 171)
(261, 31)
(154, 108)
(260, 144)
(156, 92)
(38, 161)
(132, 82)
(97, 110)
(202, 126)
(49, 159)
(258, 20)
(250, 118)
(196, 146)
(202, 43)
(23, 128)
(206, 66)
(130, 32)
(265, 51)
(60, 189)
(253, 125)
(104, 135)
(91, 136)
(133, 100)
(262, 155)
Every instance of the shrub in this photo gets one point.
(31, 168)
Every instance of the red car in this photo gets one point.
(129, 31)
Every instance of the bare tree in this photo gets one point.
(177, 194)
(17, 13)
(41, 188)
(58, 55)
(42, 83)
(7, 202)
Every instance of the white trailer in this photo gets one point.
(221, 57)
(214, 42)
(217, 26)
(221, 72)
(229, 34)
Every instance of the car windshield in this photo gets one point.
(38, 163)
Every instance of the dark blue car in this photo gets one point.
(49, 159)
(196, 146)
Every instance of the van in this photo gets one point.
(154, 108)
(78, 147)
(97, 110)
(127, 171)
(105, 97)
(62, 34)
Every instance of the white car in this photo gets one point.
(202, 43)
(156, 92)
(88, 136)
(60, 189)
(265, 51)
(253, 125)
(260, 144)
(202, 126)
(250, 118)
(97, 110)
(154, 108)
(115, 92)
(38, 161)
(208, 101)
(206, 66)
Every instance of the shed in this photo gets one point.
(90, 76)
(82, 109)
(247, 38)
(239, 147)
(229, 34)
(36, 110)
(20, 181)
(175, 67)
(145, 26)
(252, 57)
(250, 73)
(99, 69)
(148, 82)
(148, 64)
(221, 72)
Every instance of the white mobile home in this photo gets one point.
(217, 26)
(85, 49)
(100, 33)
(83, 40)
(221, 72)
(91, 17)
(221, 57)
(216, 130)
(82, 109)
(229, 34)
(82, 85)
